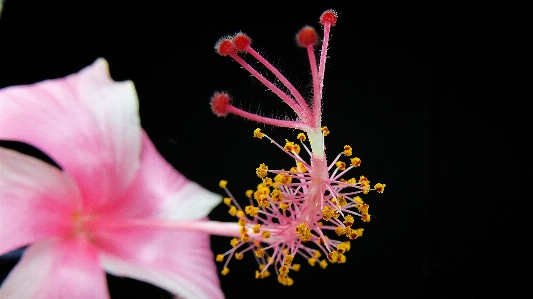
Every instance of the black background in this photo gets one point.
(429, 94)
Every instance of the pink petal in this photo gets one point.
(160, 191)
(86, 122)
(36, 200)
(178, 261)
(57, 268)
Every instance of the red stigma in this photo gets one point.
(306, 37)
(224, 46)
(329, 17)
(220, 102)
(241, 41)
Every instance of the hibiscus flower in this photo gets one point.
(115, 205)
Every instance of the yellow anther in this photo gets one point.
(311, 261)
(256, 228)
(340, 165)
(363, 208)
(289, 282)
(261, 267)
(262, 170)
(283, 206)
(379, 187)
(296, 267)
(327, 213)
(261, 275)
(251, 210)
(339, 230)
(232, 210)
(348, 220)
(301, 137)
(254, 211)
(358, 200)
(353, 235)
(258, 133)
(351, 181)
(332, 256)
(264, 202)
(317, 254)
(323, 264)
(347, 243)
(284, 270)
(284, 280)
(276, 195)
(257, 243)
(240, 214)
(258, 275)
(248, 209)
(366, 186)
(239, 255)
(288, 259)
(260, 252)
(325, 131)
(234, 242)
(267, 182)
(261, 192)
(365, 217)
(224, 271)
(242, 222)
(303, 231)
(219, 258)
(355, 162)
(341, 200)
(341, 248)
(227, 201)
(266, 234)
(245, 238)
(249, 193)
(319, 223)
(347, 150)
(341, 259)
(222, 183)
(301, 167)
(347, 230)
(292, 147)
(283, 179)
(243, 230)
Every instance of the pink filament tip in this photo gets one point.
(224, 46)
(307, 36)
(241, 41)
(220, 102)
(329, 17)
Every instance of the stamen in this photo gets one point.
(294, 212)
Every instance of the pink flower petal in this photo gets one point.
(57, 268)
(86, 122)
(160, 191)
(178, 261)
(36, 200)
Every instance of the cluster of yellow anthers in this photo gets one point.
(285, 221)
